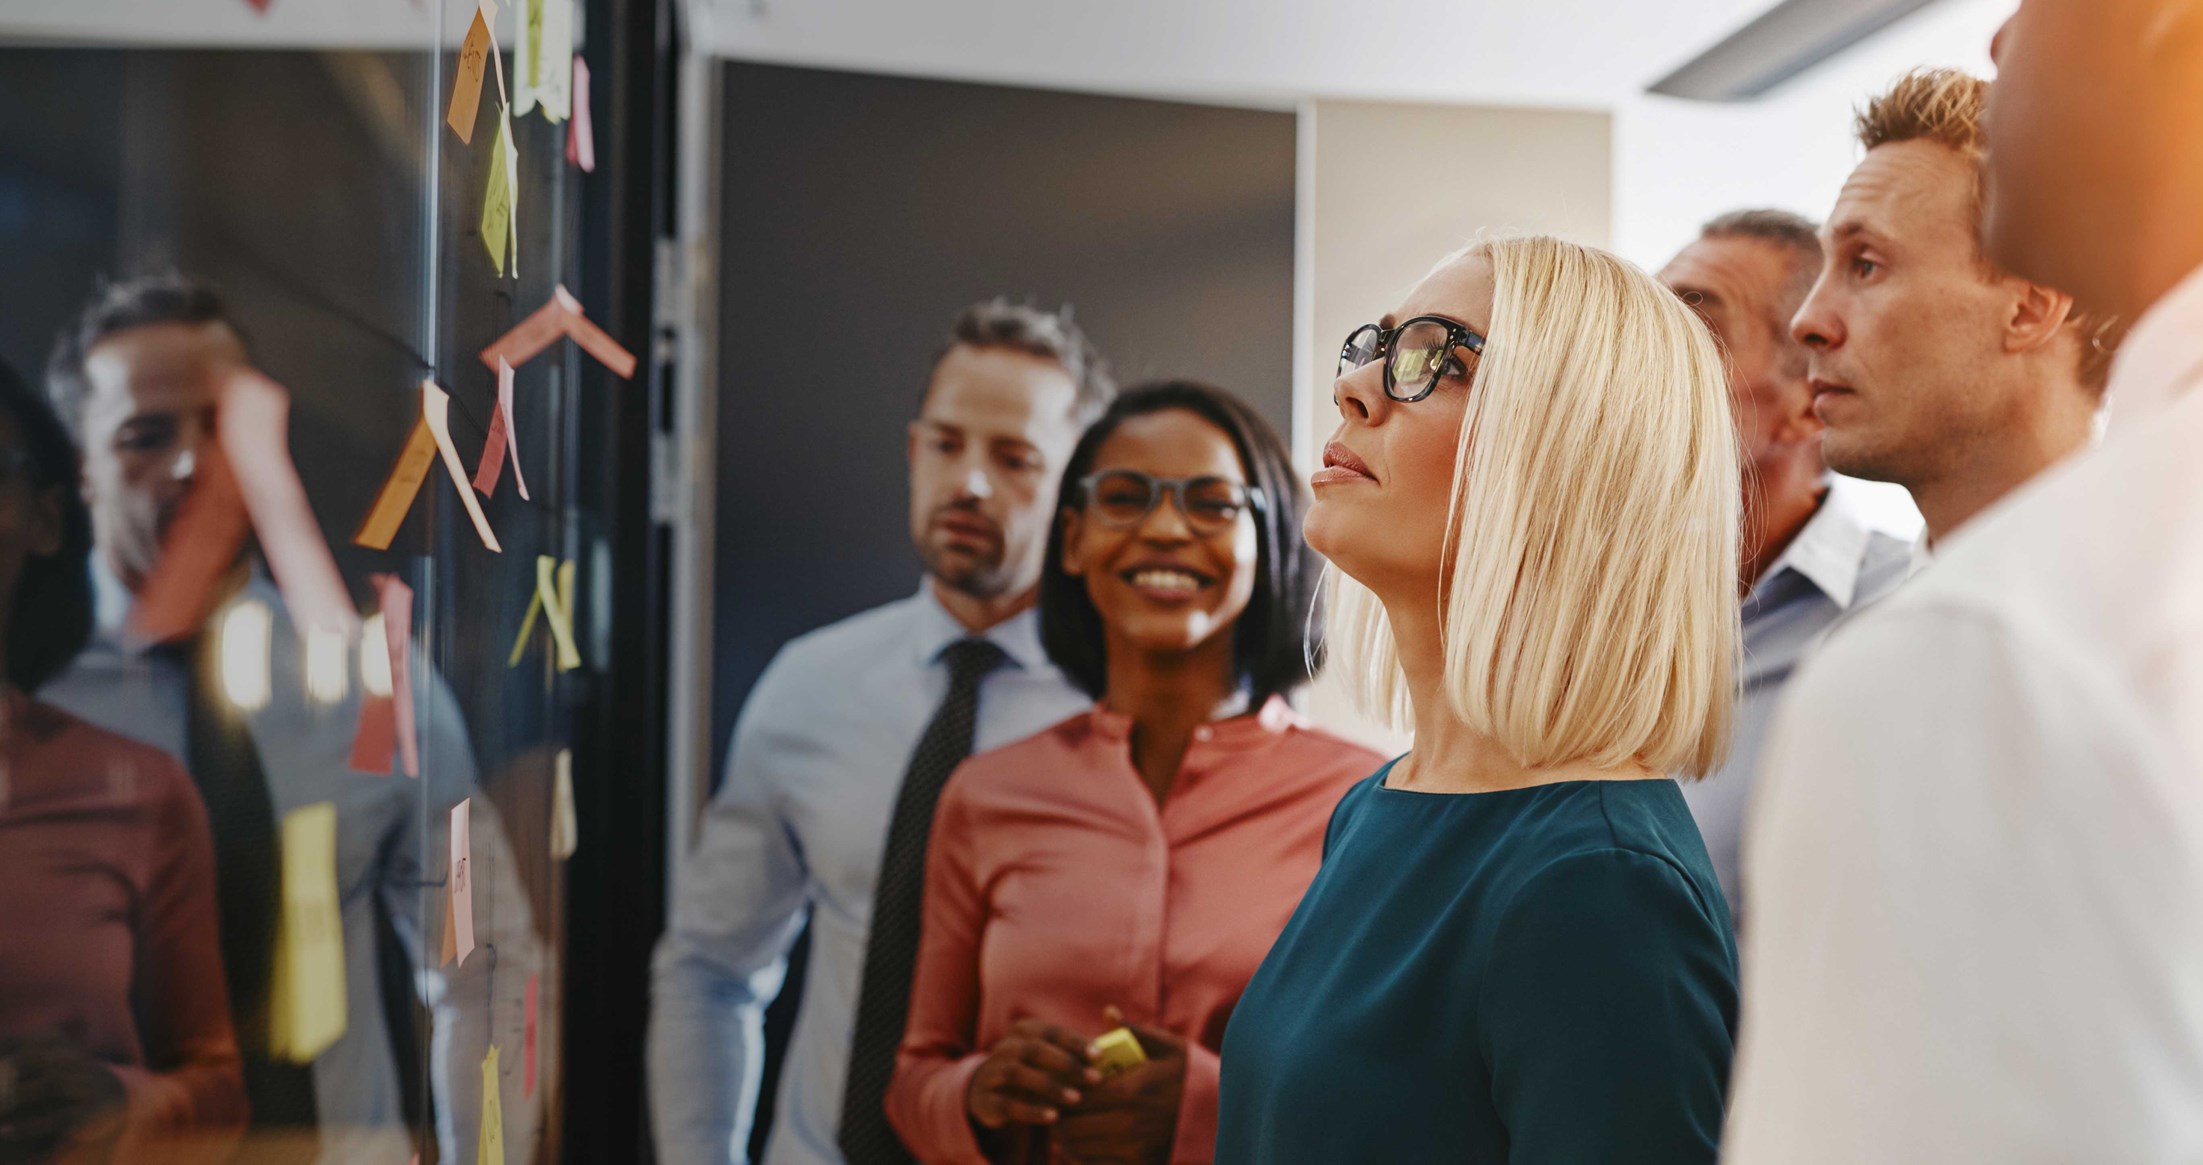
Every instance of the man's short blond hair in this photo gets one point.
(1948, 107)
(1587, 600)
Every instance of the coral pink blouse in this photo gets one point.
(108, 911)
(1056, 886)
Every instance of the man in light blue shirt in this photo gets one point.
(820, 751)
(138, 378)
(1811, 552)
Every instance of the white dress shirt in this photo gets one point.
(817, 759)
(1838, 563)
(1977, 856)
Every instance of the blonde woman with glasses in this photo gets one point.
(1516, 950)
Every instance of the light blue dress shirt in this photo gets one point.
(817, 759)
(390, 857)
(1837, 564)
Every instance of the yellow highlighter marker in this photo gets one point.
(1116, 1051)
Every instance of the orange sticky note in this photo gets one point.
(581, 141)
(375, 741)
(592, 338)
(466, 82)
(436, 410)
(462, 884)
(397, 628)
(201, 547)
(398, 490)
(253, 424)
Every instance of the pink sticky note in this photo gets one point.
(436, 410)
(397, 631)
(462, 884)
(512, 433)
(503, 439)
(581, 142)
(527, 1076)
(592, 338)
(375, 741)
(528, 337)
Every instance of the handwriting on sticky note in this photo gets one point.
(436, 409)
(462, 882)
(565, 831)
(527, 1048)
(253, 424)
(503, 440)
(466, 82)
(490, 1147)
(500, 199)
(200, 548)
(398, 490)
(581, 140)
(306, 994)
(492, 463)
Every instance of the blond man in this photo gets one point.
(1979, 847)
(1932, 367)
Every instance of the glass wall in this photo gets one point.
(298, 649)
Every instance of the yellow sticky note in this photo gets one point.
(500, 201)
(307, 1011)
(565, 832)
(489, 1148)
(1118, 1050)
(556, 605)
(398, 490)
(436, 410)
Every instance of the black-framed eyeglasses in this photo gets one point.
(1121, 499)
(1417, 354)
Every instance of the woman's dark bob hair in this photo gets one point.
(51, 619)
(1271, 653)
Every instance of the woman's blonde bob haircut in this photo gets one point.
(1589, 604)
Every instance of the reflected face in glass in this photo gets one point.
(1906, 323)
(1742, 287)
(1382, 498)
(985, 452)
(1168, 569)
(148, 410)
(30, 513)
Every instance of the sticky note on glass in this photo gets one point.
(527, 1049)
(565, 834)
(199, 550)
(490, 1146)
(397, 621)
(306, 994)
(562, 316)
(462, 884)
(542, 58)
(399, 489)
(500, 201)
(555, 602)
(436, 410)
(581, 140)
(466, 80)
(502, 442)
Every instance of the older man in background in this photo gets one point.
(1810, 552)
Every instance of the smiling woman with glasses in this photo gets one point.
(1131, 865)
(1516, 950)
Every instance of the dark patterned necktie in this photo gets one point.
(891, 951)
(248, 879)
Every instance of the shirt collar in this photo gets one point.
(1017, 636)
(1274, 718)
(1830, 551)
(2161, 356)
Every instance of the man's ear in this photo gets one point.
(2038, 315)
(1074, 558)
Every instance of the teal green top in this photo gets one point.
(1532, 976)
